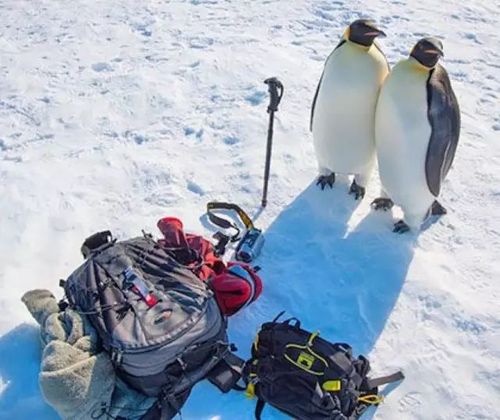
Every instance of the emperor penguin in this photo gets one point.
(417, 126)
(343, 108)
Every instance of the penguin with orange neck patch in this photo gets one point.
(343, 109)
(417, 127)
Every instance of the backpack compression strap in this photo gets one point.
(383, 380)
(259, 407)
(167, 406)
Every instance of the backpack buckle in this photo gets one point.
(181, 362)
(116, 356)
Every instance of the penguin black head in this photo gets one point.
(363, 32)
(427, 51)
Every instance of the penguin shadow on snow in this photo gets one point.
(340, 281)
(343, 282)
(20, 396)
(290, 247)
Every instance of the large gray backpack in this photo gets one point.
(160, 324)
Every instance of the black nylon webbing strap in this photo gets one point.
(227, 372)
(375, 382)
(259, 407)
(223, 223)
(340, 359)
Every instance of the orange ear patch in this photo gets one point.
(347, 33)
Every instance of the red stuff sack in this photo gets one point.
(236, 287)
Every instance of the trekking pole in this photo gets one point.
(276, 89)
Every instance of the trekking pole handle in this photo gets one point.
(276, 90)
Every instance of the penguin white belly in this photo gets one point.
(402, 133)
(344, 115)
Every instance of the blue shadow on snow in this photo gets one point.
(343, 283)
(20, 353)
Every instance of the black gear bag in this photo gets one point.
(308, 378)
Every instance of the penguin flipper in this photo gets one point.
(314, 102)
(444, 118)
(342, 42)
(383, 54)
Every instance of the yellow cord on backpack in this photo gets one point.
(250, 392)
(307, 357)
(372, 399)
(311, 338)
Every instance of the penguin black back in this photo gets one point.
(443, 113)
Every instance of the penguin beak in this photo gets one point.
(376, 33)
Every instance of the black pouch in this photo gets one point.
(96, 241)
(307, 377)
(226, 374)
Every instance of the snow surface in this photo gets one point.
(115, 113)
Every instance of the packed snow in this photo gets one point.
(116, 113)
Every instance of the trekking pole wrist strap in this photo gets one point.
(224, 223)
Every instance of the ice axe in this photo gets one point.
(275, 88)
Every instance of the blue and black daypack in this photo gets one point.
(307, 377)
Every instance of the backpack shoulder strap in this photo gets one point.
(167, 406)
(259, 407)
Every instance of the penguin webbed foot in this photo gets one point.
(437, 209)
(382, 203)
(357, 190)
(324, 180)
(401, 227)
